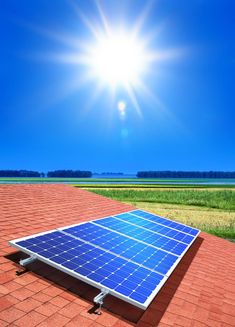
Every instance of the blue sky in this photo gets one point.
(51, 118)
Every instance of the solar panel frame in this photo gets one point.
(90, 281)
(76, 274)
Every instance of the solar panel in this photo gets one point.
(131, 255)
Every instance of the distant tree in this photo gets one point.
(19, 173)
(69, 173)
(185, 174)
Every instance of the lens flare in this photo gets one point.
(121, 106)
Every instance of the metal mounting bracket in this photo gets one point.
(99, 299)
(25, 262)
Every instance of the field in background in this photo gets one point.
(211, 210)
(155, 182)
(208, 204)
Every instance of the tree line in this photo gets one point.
(19, 173)
(55, 173)
(140, 174)
(69, 173)
(185, 174)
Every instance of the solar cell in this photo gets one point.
(130, 249)
(166, 222)
(157, 228)
(131, 255)
(144, 235)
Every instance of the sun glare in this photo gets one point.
(117, 59)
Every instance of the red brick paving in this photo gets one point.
(200, 292)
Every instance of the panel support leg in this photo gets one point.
(25, 262)
(99, 299)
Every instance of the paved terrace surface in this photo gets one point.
(200, 292)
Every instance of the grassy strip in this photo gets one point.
(224, 199)
(151, 186)
(114, 180)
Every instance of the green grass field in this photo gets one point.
(224, 199)
(212, 211)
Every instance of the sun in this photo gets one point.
(120, 57)
(117, 59)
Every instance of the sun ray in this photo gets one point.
(92, 28)
(103, 18)
(140, 21)
(131, 93)
(115, 57)
(167, 54)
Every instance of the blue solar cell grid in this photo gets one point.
(144, 235)
(131, 254)
(95, 264)
(157, 228)
(165, 222)
(142, 254)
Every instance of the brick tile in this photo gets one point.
(82, 302)
(214, 323)
(106, 319)
(200, 314)
(7, 267)
(36, 287)
(11, 314)
(79, 321)
(47, 309)
(26, 279)
(6, 302)
(55, 320)
(198, 324)
(59, 301)
(3, 323)
(71, 310)
(3, 290)
(12, 286)
(6, 277)
(31, 319)
(168, 319)
(22, 294)
(28, 305)
(86, 314)
(182, 321)
(228, 319)
(215, 316)
(122, 323)
(95, 324)
(229, 308)
(68, 296)
(52, 291)
(42, 297)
